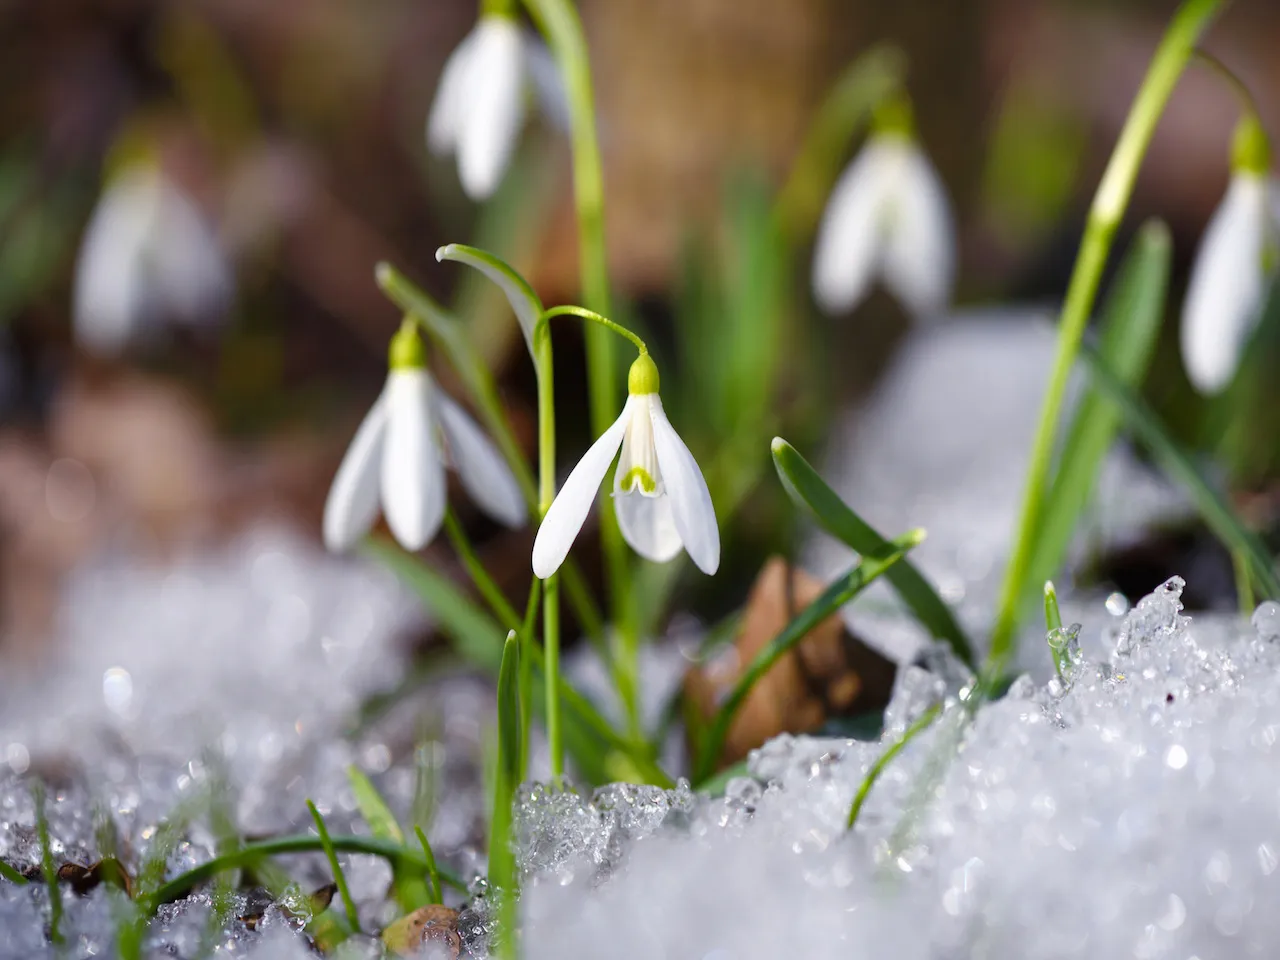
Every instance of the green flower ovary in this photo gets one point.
(641, 476)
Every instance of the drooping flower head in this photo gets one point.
(1234, 266)
(887, 218)
(480, 101)
(398, 457)
(659, 494)
(148, 257)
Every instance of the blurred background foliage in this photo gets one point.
(298, 126)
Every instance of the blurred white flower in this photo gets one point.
(659, 494)
(147, 257)
(398, 455)
(1229, 280)
(480, 101)
(888, 216)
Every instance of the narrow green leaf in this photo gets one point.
(1177, 464)
(382, 822)
(433, 871)
(840, 592)
(353, 918)
(11, 874)
(1052, 616)
(525, 303)
(181, 885)
(809, 491)
(877, 768)
(1130, 327)
(410, 889)
(509, 709)
(47, 868)
(425, 783)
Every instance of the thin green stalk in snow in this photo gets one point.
(433, 872)
(1108, 207)
(877, 768)
(47, 869)
(247, 855)
(353, 918)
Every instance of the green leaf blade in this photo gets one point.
(1131, 323)
(809, 491)
(1178, 465)
(840, 592)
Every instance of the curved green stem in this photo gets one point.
(551, 586)
(1108, 208)
(1244, 96)
(540, 328)
(339, 878)
(559, 22)
(245, 856)
(877, 768)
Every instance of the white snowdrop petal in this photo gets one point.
(847, 252)
(494, 106)
(647, 524)
(352, 504)
(572, 504)
(413, 482)
(112, 300)
(919, 242)
(1227, 285)
(695, 517)
(547, 82)
(449, 102)
(481, 468)
(190, 269)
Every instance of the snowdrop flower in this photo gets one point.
(659, 494)
(480, 101)
(398, 456)
(148, 256)
(1233, 267)
(888, 216)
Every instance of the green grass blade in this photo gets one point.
(411, 890)
(47, 869)
(1177, 464)
(353, 918)
(1052, 616)
(11, 874)
(877, 768)
(509, 738)
(182, 884)
(502, 865)
(808, 490)
(839, 593)
(433, 871)
(1130, 327)
(382, 822)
